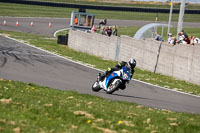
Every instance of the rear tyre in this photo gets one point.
(113, 87)
(96, 87)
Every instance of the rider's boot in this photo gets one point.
(100, 76)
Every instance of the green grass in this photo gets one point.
(20, 10)
(127, 3)
(64, 32)
(29, 108)
(51, 45)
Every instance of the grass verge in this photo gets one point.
(32, 108)
(156, 79)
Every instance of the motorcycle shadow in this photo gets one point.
(127, 96)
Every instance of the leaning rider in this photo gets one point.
(131, 64)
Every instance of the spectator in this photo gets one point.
(109, 31)
(171, 39)
(184, 34)
(191, 38)
(103, 31)
(183, 38)
(157, 37)
(180, 38)
(194, 40)
(102, 22)
(114, 30)
(93, 29)
(75, 20)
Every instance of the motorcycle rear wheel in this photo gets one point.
(96, 87)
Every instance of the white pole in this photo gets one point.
(170, 17)
(181, 14)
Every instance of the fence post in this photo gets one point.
(180, 20)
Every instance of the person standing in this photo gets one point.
(103, 31)
(75, 20)
(114, 30)
(109, 31)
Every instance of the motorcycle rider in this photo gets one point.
(131, 64)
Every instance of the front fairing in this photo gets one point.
(110, 77)
(126, 73)
(123, 74)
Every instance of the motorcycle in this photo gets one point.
(114, 81)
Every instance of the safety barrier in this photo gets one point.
(180, 61)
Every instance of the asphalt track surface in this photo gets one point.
(40, 25)
(21, 62)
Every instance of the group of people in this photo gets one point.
(183, 38)
(105, 30)
(108, 31)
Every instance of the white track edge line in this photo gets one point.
(54, 34)
(167, 88)
(76, 62)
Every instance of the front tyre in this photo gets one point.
(96, 87)
(113, 86)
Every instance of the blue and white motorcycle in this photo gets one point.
(116, 80)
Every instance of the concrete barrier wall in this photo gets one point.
(144, 53)
(93, 43)
(180, 61)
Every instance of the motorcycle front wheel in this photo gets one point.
(113, 87)
(96, 87)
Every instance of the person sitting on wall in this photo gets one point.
(114, 30)
(183, 38)
(194, 40)
(93, 29)
(157, 37)
(186, 37)
(184, 34)
(171, 40)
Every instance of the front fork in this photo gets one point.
(113, 84)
